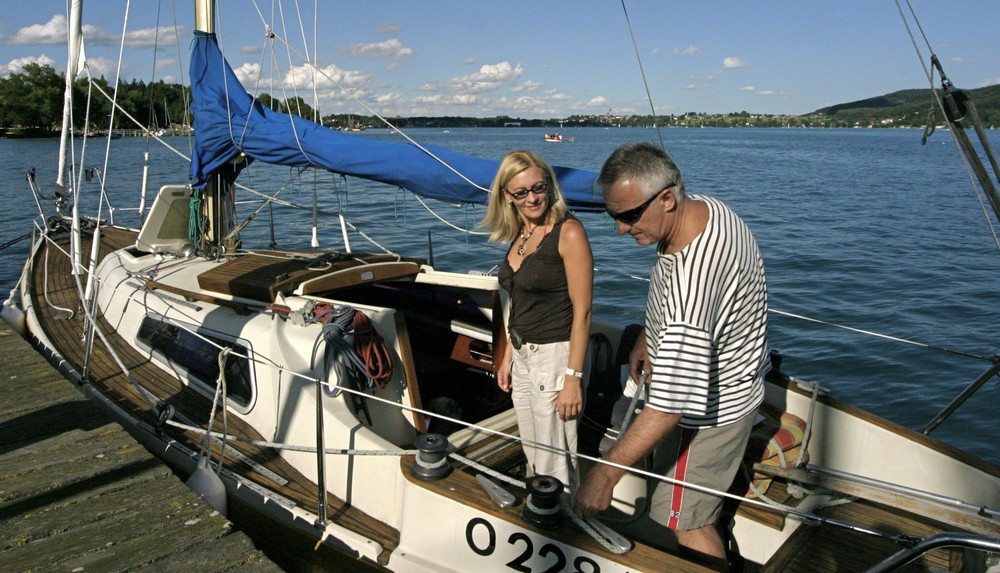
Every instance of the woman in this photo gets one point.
(548, 273)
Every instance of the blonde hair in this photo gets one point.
(502, 220)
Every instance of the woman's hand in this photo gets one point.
(569, 402)
(503, 372)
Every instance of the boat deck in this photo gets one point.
(55, 291)
(262, 275)
(813, 549)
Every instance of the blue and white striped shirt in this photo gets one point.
(706, 324)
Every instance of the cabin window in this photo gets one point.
(198, 356)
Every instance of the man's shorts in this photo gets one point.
(707, 457)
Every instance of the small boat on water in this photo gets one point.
(556, 137)
(348, 397)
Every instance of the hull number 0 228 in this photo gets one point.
(481, 537)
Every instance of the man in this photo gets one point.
(704, 353)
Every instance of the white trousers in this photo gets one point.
(536, 379)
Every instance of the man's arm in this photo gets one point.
(648, 428)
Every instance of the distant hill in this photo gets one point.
(910, 107)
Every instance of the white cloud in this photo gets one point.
(599, 101)
(391, 48)
(387, 29)
(430, 87)
(388, 98)
(51, 32)
(688, 51)
(429, 99)
(54, 32)
(695, 86)
(988, 82)
(247, 73)
(748, 89)
(443, 100)
(329, 77)
(731, 63)
(767, 93)
(16, 65)
(146, 38)
(489, 77)
(104, 67)
(526, 86)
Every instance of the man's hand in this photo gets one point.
(595, 493)
(637, 360)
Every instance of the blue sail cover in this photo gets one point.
(227, 121)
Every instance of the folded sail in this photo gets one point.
(227, 121)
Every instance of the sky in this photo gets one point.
(533, 59)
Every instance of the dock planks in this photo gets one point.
(77, 493)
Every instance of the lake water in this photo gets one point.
(862, 228)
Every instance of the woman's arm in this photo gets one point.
(579, 263)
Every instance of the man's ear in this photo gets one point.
(669, 199)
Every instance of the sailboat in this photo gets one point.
(347, 398)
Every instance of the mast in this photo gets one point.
(217, 204)
(204, 16)
(75, 55)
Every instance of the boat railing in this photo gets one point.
(961, 398)
(947, 539)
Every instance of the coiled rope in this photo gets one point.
(367, 355)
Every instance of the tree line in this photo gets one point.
(31, 103)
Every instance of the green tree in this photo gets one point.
(32, 98)
(298, 106)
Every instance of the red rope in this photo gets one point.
(371, 347)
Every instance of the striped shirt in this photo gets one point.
(706, 324)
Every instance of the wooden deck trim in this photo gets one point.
(261, 275)
(895, 497)
(191, 296)
(410, 371)
(358, 275)
(106, 377)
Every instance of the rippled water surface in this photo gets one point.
(861, 228)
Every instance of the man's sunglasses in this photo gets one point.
(630, 216)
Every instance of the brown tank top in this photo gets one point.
(540, 307)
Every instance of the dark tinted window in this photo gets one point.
(199, 357)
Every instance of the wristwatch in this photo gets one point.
(571, 372)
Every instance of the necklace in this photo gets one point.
(524, 240)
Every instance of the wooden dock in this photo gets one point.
(78, 493)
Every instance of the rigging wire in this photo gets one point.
(438, 415)
(645, 83)
(886, 336)
(352, 95)
(970, 159)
